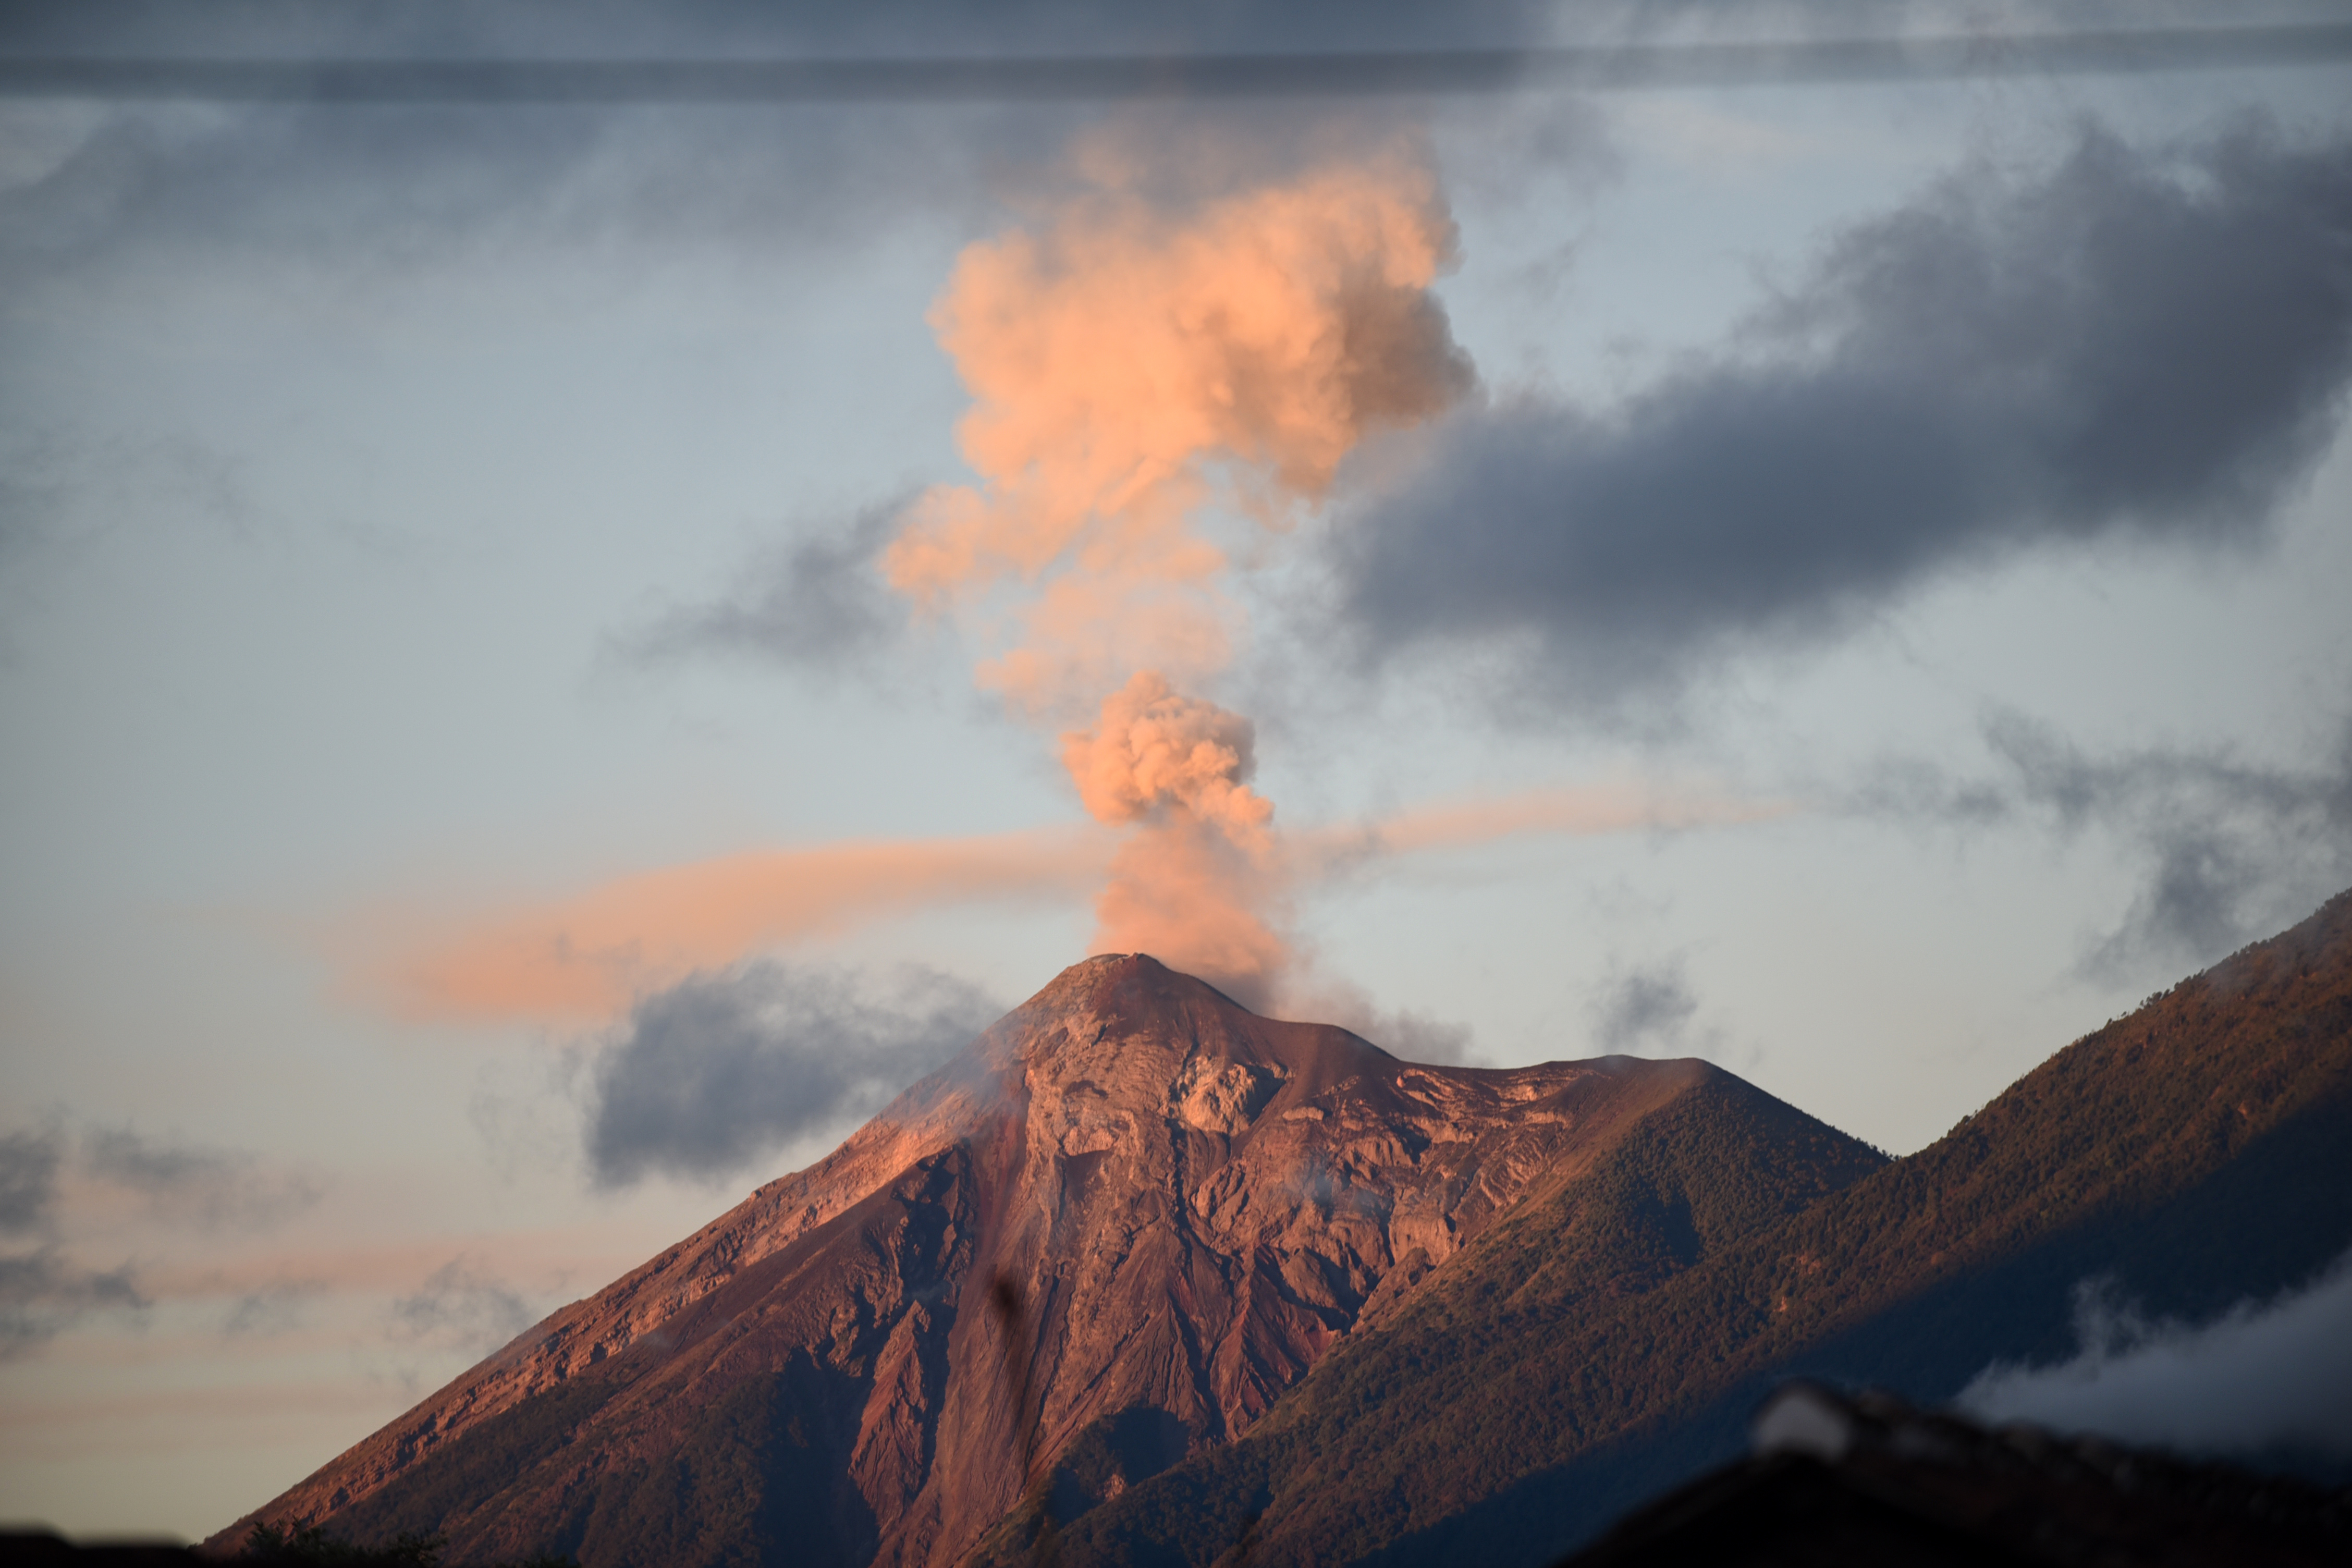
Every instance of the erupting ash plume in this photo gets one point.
(1156, 749)
(1198, 873)
(1132, 369)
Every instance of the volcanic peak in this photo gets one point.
(1130, 1199)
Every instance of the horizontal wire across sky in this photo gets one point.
(1600, 67)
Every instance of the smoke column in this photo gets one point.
(1132, 368)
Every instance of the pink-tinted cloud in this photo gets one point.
(1583, 811)
(1128, 364)
(582, 959)
(1198, 880)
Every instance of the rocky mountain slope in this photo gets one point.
(2194, 1154)
(1109, 1236)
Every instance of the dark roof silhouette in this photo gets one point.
(1835, 1480)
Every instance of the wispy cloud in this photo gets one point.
(817, 602)
(459, 1307)
(1574, 811)
(2229, 848)
(214, 1188)
(43, 1293)
(46, 1180)
(1403, 1032)
(29, 1180)
(386, 1268)
(1644, 1006)
(273, 1308)
(584, 959)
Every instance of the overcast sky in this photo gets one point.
(523, 720)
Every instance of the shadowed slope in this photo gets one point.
(2195, 1150)
(1131, 1213)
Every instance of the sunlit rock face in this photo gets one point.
(1130, 1202)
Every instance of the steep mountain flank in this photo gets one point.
(1110, 1234)
(2194, 1150)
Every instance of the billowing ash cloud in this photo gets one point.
(1193, 880)
(725, 1068)
(2229, 849)
(2137, 346)
(2260, 1380)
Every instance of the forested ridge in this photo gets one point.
(2193, 1150)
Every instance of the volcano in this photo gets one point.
(1105, 1238)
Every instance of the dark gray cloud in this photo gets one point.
(216, 1189)
(373, 190)
(1412, 48)
(723, 1069)
(816, 602)
(42, 1294)
(2140, 345)
(366, 197)
(2229, 850)
(1647, 1006)
(29, 1180)
(573, 29)
(2263, 1379)
(1332, 68)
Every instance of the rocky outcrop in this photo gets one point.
(1130, 1206)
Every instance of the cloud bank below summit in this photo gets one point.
(2262, 1380)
